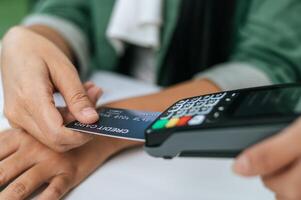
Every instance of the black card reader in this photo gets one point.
(223, 124)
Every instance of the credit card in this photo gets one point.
(119, 123)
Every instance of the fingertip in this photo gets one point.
(88, 85)
(87, 115)
(88, 112)
(242, 166)
(95, 91)
(99, 92)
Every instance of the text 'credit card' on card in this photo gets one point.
(119, 123)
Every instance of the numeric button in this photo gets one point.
(212, 102)
(180, 113)
(188, 105)
(199, 103)
(205, 110)
(196, 120)
(219, 95)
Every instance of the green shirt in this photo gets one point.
(267, 33)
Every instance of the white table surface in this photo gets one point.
(135, 175)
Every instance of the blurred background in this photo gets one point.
(11, 12)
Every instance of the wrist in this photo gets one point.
(95, 153)
(54, 37)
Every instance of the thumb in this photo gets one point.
(80, 105)
(68, 83)
(93, 93)
(272, 154)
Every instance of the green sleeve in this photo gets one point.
(270, 39)
(75, 11)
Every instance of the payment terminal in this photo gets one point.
(223, 124)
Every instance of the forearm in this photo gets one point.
(93, 154)
(163, 99)
(101, 148)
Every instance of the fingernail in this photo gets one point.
(242, 165)
(99, 93)
(89, 112)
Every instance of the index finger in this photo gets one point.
(272, 154)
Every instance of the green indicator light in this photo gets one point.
(160, 124)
